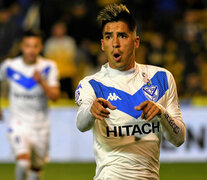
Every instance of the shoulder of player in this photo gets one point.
(46, 61)
(85, 82)
(96, 76)
(11, 61)
(153, 69)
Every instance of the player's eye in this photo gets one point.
(122, 35)
(107, 37)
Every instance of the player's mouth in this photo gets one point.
(117, 57)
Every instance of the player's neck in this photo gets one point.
(29, 62)
(118, 72)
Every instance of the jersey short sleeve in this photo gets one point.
(3, 67)
(84, 93)
(52, 79)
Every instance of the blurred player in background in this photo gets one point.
(127, 105)
(32, 81)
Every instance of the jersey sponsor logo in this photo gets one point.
(29, 96)
(133, 130)
(113, 97)
(151, 92)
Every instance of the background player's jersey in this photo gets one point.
(126, 146)
(28, 103)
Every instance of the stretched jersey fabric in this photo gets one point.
(125, 145)
(28, 102)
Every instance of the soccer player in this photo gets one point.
(32, 81)
(127, 105)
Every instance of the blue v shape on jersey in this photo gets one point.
(26, 82)
(127, 102)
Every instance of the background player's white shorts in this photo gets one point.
(30, 140)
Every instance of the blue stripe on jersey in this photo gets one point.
(79, 86)
(46, 71)
(26, 82)
(127, 102)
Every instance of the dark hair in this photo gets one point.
(116, 12)
(33, 33)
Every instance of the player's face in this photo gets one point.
(31, 48)
(119, 45)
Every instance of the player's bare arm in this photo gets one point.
(149, 110)
(98, 108)
(52, 93)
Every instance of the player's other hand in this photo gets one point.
(149, 110)
(98, 108)
(37, 76)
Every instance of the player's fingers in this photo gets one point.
(104, 115)
(110, 106)
(143, 115)
(141, 106)
(150, 110)
(106, 103)
(100, 100)
(37, 76)
(100, 110)
(145, 110)
(153, 114)
(95, 107)
(98, 114)
(99, 103)
(98, 117)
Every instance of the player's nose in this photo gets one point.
(115, 42)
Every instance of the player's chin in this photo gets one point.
(120, 66)
(32, 58)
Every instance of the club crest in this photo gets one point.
(78, 100)
(151, 92)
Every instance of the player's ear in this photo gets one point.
(136, 42)
(102, 46)
(41, 47)
(21, 45)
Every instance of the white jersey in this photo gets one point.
(28, 102)
(126, 146)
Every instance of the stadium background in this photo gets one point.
(173, 35)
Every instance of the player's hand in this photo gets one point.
(149, 110)
(98, 108)
(37, 76)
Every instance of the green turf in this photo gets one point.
(75, 171)
(85, 171)
(183, 171)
